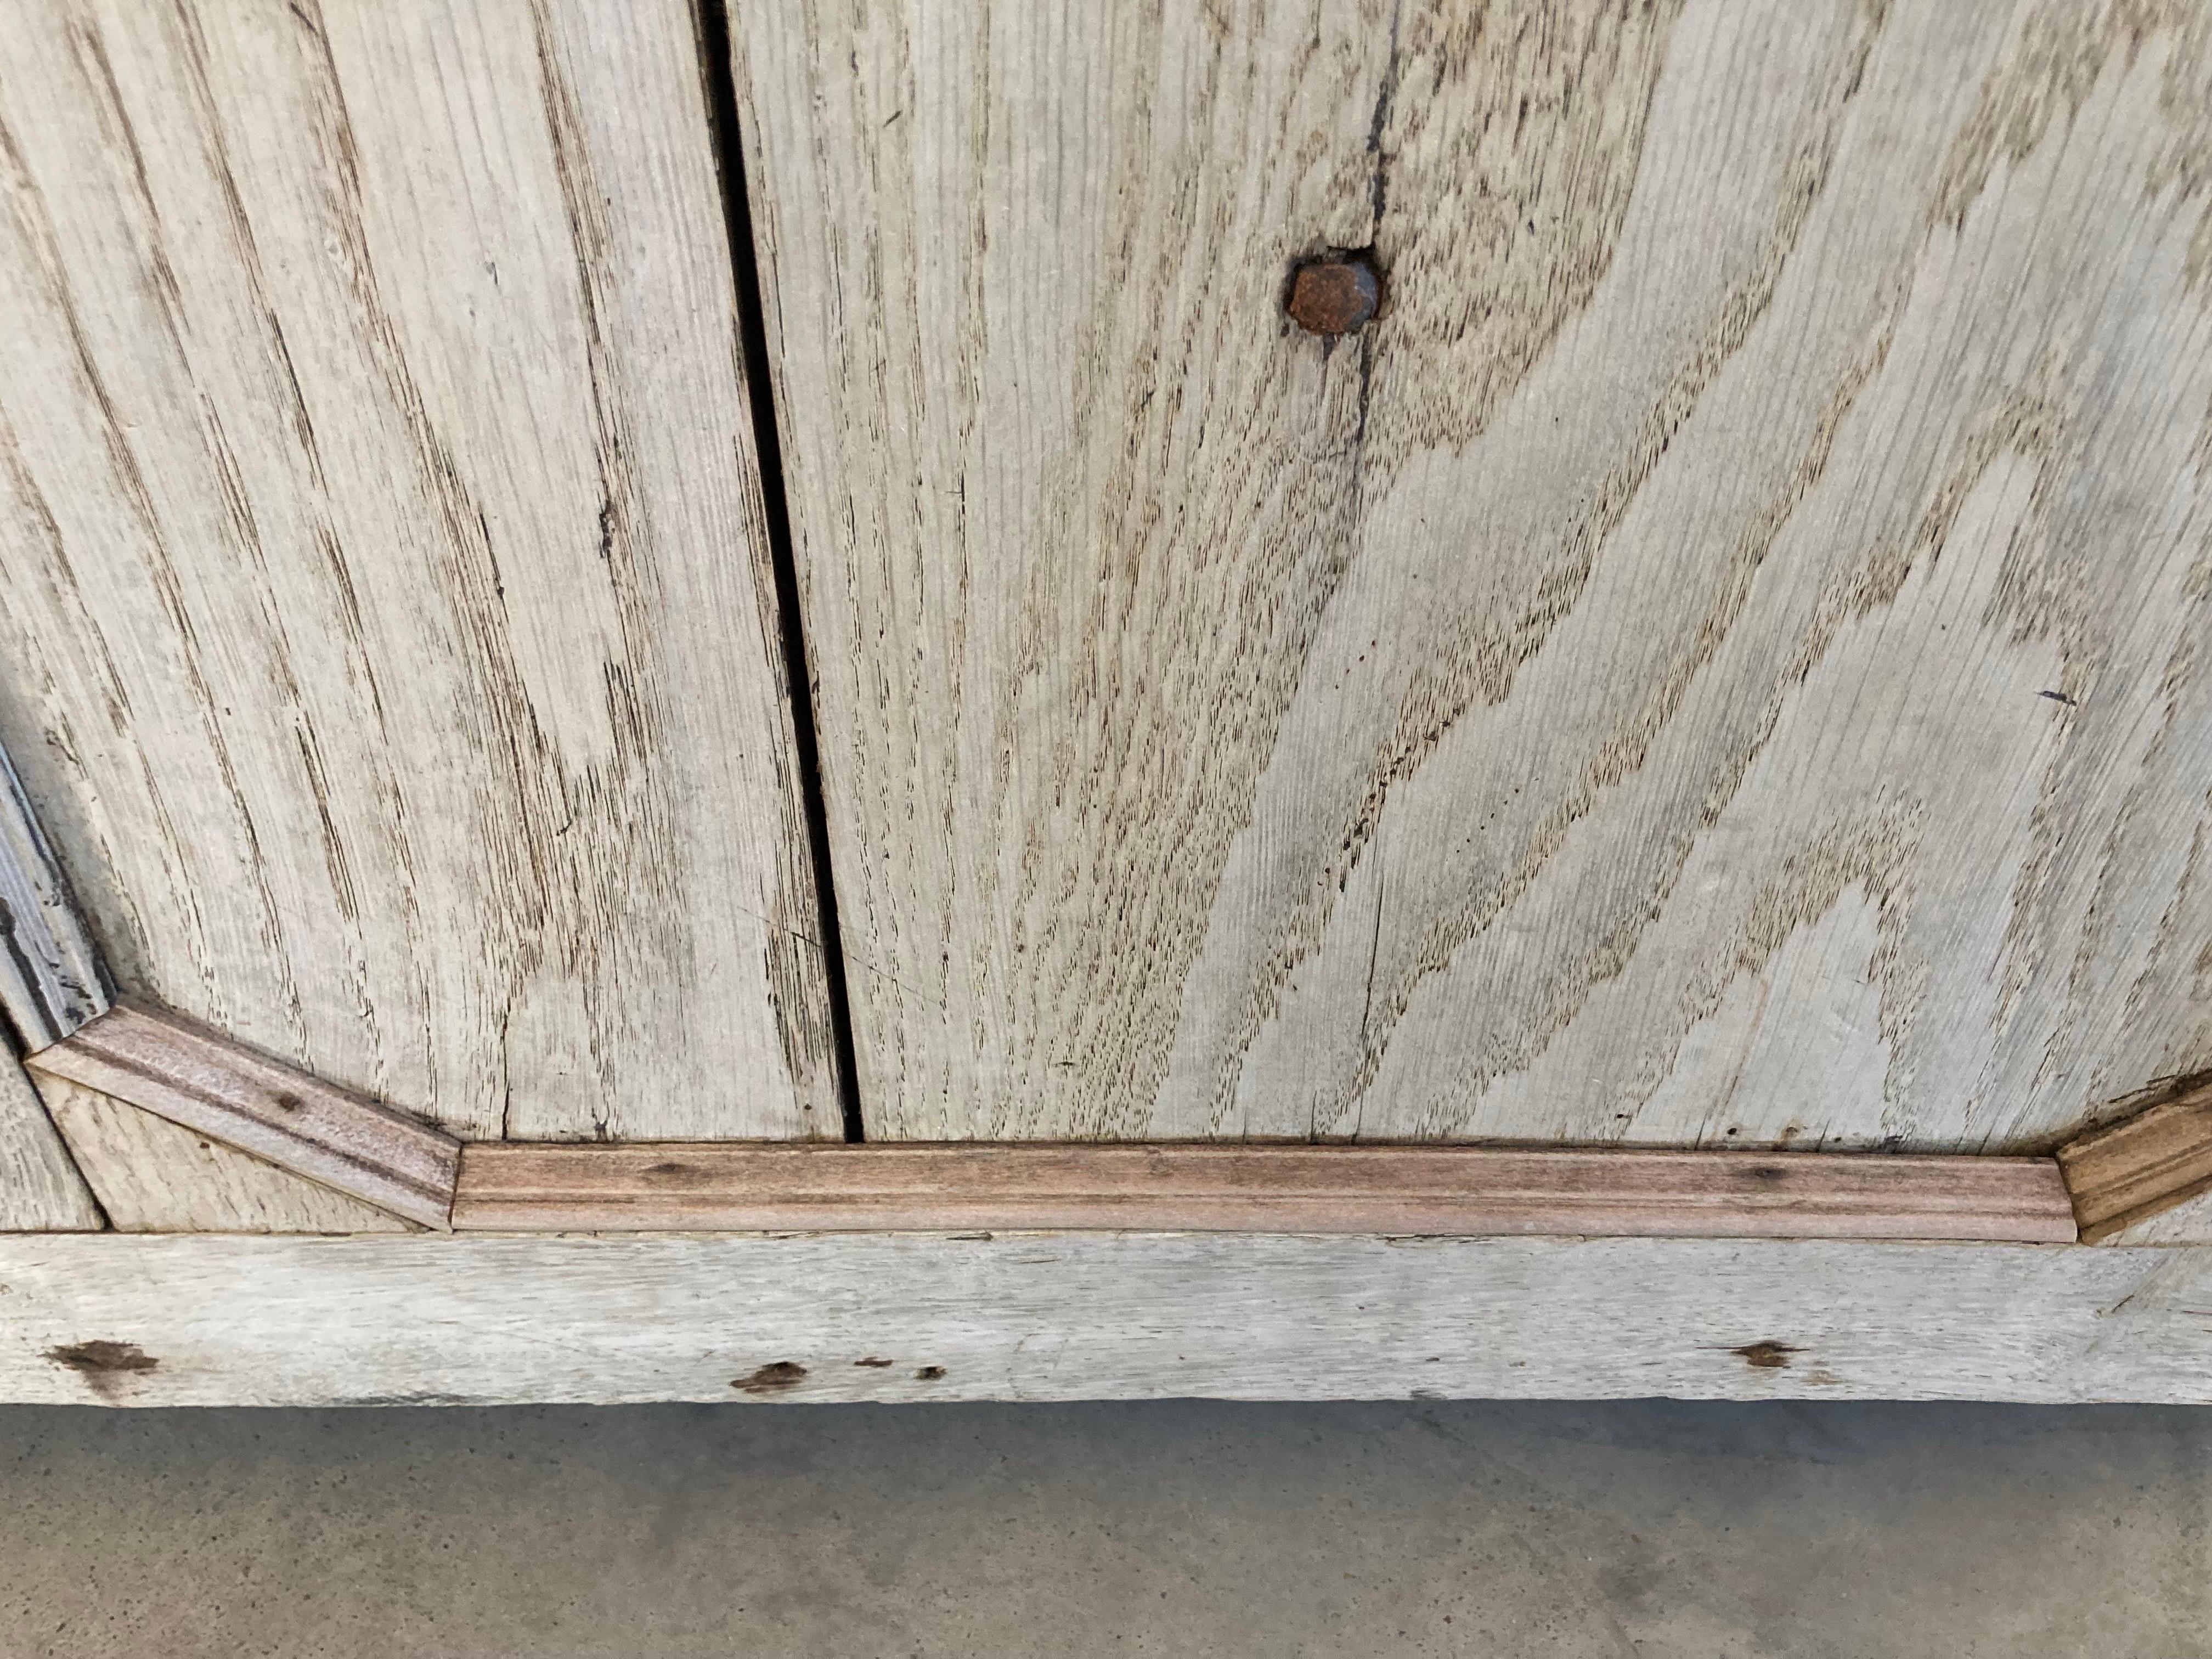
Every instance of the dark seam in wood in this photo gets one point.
(718, 77)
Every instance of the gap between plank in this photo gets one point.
(719, 83)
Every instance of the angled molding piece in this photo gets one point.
(51, 978)
(190, 1075)
(2122, 1173)
(151, 1176)
(1397, 1191)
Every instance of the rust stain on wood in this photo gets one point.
(774, 1377)
(1766, 1356)
(1335, 294)
(105, 1366)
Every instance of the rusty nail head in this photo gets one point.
(1336, 293)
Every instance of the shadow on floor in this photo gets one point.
(1650, 1529)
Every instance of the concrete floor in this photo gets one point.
(1653, 1529)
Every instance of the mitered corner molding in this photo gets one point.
(2119, 1174)
(51, 980)
(168, 1066)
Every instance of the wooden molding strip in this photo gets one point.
(2126, 1172)
(51, 978)
(1391, 1190)
(151, 1176)
(190, 1075)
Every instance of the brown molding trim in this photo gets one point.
(1399, 1190)
(175, 1069)
(2098, 1185)
(2126, 1172)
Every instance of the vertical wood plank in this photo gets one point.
(1717, 661)
(387, 640)
(40, 1189)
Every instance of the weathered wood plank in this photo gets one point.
(1389, 1190)
(2123, 1174)
(51, 978)
(198, 1078)
(483, 1320)
(40, 1188)
(155, 1176)
(1719, 659)
(388, 643)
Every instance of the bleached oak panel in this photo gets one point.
(483, 1320)
(155, 1176)
(40, 1188)
(385, 631)
(1719, 660)
(1398, 1191)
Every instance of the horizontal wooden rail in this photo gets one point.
(1442, 1191)
(756, 1319)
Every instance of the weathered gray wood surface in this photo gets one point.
(51, 978)
(1721, 659)
(384, 634)
(40, 1188)
(1394, 1191)
(161, 1064)
(2187, 1223)
(1040, 1316)
(155, 1176)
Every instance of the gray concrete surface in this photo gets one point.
(1552, 1531)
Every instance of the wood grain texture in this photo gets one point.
(1394, 1191)
(1720, 658)
(155, 1176)
(388, 645)
(485, 1321)
(40, 1188)
(207, 1083)
(2123, 1174)
(2188, 1222)
(51, 978)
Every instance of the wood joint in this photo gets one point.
(2122, 1173)
(175, 1069)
